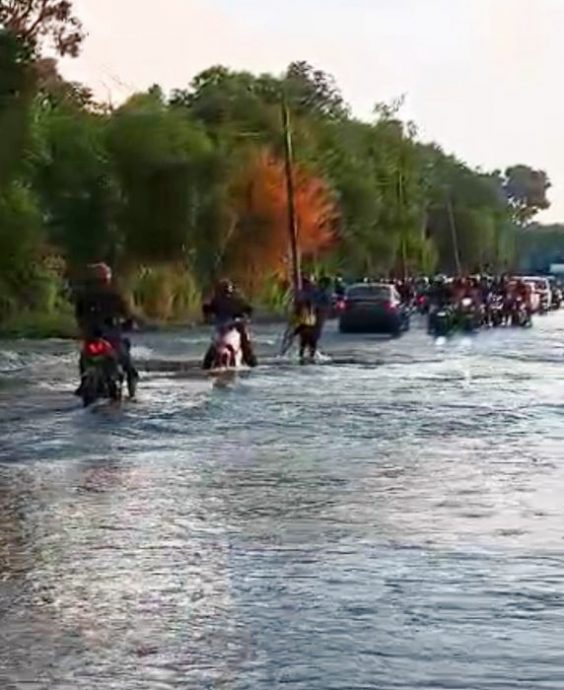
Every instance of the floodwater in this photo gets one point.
(391, 520)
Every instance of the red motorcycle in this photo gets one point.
(102, 375)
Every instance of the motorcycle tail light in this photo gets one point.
(98, 348)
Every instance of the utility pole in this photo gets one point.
(291, 200)
(402, 227)
(454, 235)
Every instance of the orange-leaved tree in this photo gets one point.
(258, 247)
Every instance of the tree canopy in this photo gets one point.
(194, 179)
(36, 22)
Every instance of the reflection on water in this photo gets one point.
(392, 521)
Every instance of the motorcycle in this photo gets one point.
(468, 316)
(495, 312)
(338, 305)
(226, 350)
(102, 376)
(441, 322)
(520, 315)
(422, 304)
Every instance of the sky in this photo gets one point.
(480, 77)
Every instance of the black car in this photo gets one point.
(556, 290)
(373, 308)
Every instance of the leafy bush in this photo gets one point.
(165, 292)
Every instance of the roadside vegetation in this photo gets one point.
(177, 189)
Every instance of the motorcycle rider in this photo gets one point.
(441, 293)
(423, 291)
(226, 306)
(306, 326)
(524, 293)
(405, 290)
(323, 297)
(339, 286)
(505, 291)
(304, 322)
(460, 290)
(440, 296)
(101, 312)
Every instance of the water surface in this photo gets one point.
(393, 520)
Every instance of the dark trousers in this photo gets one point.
(309, 338)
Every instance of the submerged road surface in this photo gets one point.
(392, 521)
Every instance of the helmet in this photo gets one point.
(308, 281)
(101, 272)
(225, 287)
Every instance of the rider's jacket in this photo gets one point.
(226, 308)
(305, 315)
(100, 309)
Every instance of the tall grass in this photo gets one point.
(162, 294)
(165, 293)
(38, 324)
(35, 303)
(274, 299)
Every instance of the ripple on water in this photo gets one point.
(392, 521)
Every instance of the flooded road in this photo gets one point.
(392, 521)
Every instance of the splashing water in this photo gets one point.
(390, 519)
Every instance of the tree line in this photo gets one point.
(177, 189)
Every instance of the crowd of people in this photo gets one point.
(449, 302)
(477, 300)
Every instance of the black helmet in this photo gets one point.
(225, 287)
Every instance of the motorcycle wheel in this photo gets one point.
(440, 329)
(89, 392)
(114, 390)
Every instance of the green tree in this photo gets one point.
(169, 189)
(526, 191)
(36, 22)
(468, 217)
(233, 106)
(17, 87)
(314, 92)
(20, 237)
(75, 182)
(162, 162)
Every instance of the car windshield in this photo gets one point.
(537, 283)
(375, 292)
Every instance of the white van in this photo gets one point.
(542, 287)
